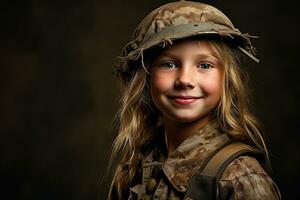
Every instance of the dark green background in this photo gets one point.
(59, 95)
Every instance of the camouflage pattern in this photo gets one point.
(178, 20)
(248, 180)
(243, 178)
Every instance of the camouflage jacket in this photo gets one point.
(167, 178)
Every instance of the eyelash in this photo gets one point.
(166, 64)
(206, 66)
(202, 66)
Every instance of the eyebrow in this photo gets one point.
(200, 55)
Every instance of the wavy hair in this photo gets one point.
(138, 118)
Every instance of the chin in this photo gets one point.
(186, 118)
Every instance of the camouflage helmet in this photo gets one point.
(178, 20)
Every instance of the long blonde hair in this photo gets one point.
(137, 117)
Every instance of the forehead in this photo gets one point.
(211, 46)
(190, 48)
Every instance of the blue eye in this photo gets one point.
(169, 65)
(205, 66)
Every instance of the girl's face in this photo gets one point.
(186, 80)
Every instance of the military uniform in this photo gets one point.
(167, 178)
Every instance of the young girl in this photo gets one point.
(185, 130)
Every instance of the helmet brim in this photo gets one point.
(167, 35)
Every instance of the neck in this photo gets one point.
(177, 132)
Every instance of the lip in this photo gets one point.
(184, 100)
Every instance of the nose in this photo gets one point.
(185, 78)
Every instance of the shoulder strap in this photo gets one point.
(217, 164)
(203, 183)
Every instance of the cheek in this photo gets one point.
(160, 82)
(213, 85)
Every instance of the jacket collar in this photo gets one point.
(190, 155)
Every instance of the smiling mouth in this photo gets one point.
(184, 100)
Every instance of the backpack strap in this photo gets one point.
(217, 164)
(203, 184)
